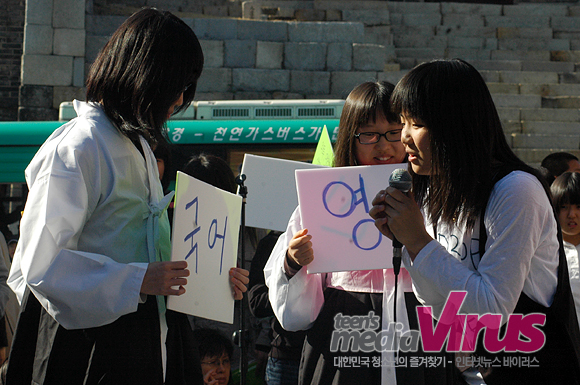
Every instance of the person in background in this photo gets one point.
(284, 348)
(478, 221)
(92, 267)
(557, 163)
(566, 199)
(216, 352)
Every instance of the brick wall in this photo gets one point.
(11, 35)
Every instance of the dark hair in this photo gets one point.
(566, 190)
(361, 106)
(557, 163)
(163, 152)
(212, 343)
(468, 145)
(212, 170)
(142, 70)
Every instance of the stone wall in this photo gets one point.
(11, 36)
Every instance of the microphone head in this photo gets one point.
(401, 180)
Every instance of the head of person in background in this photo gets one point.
(557, 163)
(566, 197)
(216, 352)
(369, 133)
(163, 156)
(12, 243)
(212, 170)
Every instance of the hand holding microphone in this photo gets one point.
(401, 180)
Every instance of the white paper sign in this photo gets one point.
(271, 190)
(206, 227)
(334, 206)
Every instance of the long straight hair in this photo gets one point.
(361, 106)
(142, 70)
(468, 145)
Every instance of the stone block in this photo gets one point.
(215, 29)
(103, 25)
(258, 80)
(368, 57)
(269, 55)
(468, 54)
(240, 53)
(420, 52)
(305, 56)
(37, 114)
(368, 16)
(339, 57)
(263, 30)
(551, 89)
(467, 42)
(417, 30)
(522, 44)
(93, 45)
(67, 94)
(520, 55)
(326, 32)
(517, 101)
(504, 88)
(349, 5)
(525, 10)
(38, 12)
(215, 10)
(574, 10)
(341, 83)
(215, 80)
(214, 95)
(548, 66)
(419, 19)
(235, 10)
(213, 53)
(465, 30)
(471, 9)
(420, 41)
(509, 114)
(497, 65)
(569, 78)
(413, 7)
(515, 32)
(35, 96)
(47, 70)
(458, 20)
(378, 34)
(69, 42)
(310, 82)
(37, 39)
(561, 102)
(310, 15)
(68, 14)
(565, 56)
(551, 114)
(541, 140)
(392, 77)
(554, 128)
(575, 44)
(490, 76)
(521, 22)
(79, 72)
(333, 15)
(528, 77)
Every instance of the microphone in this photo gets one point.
(402, 181)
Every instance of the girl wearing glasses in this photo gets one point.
(369, 134)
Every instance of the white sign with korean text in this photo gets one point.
(334, 207)
(271, 187)
(206, 227)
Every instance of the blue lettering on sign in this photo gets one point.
(191, 234)
(211, 242)
(354, 202)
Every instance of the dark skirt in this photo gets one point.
(320, 366)
(127, 351)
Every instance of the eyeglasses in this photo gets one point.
(217, 362)
(374, 137)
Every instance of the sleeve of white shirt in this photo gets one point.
(79, 289)
(296, 301)
(518, 218)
